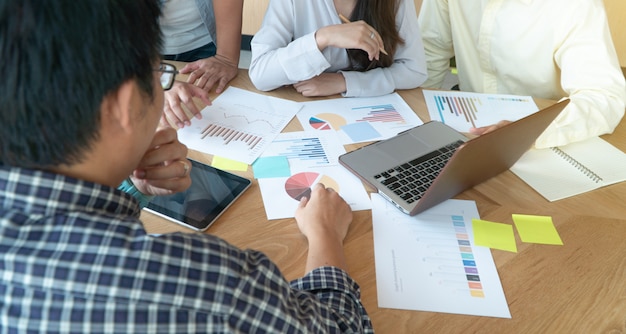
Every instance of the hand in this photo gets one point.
(487, 129)
(181, 94)
(324, 219)
(353, 35)
(205, 73)
(325, 215)
(164, 168)
(324, 84)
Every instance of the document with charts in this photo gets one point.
(463, 110)
(573, 169)
(359, 119)
(312, 159)
(429, 262)
(239, 124)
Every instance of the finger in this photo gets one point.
(221, 85)
(175, 170)
(189, 68)
(303, 202)
(171, 186)
(176, 114)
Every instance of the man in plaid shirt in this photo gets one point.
(81, 96)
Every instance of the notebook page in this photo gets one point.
(554, 177)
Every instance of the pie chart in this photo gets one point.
(299, 185)
(327, 121)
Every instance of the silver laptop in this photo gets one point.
(426, 165)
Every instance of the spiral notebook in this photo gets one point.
(561, 172)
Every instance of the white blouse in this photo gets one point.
(284, 50)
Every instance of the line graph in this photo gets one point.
(248, 121)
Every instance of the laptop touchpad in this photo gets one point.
(404, 147)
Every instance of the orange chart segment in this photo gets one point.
(299, 185)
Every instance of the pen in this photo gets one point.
(345, 20)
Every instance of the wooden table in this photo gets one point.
(576, 288)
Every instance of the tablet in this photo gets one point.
(211, 192)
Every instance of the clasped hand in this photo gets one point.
(164, 168)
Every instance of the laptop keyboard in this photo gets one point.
(410, 180)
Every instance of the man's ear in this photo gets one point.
(117, 107)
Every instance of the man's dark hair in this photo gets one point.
(58, 60)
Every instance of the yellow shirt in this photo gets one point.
(544, 48)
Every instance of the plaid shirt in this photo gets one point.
(76, 259)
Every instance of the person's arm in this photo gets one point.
(324, 219)
(434, 24)
(408, 69)
(219, 70)
(228, 18)
(281, 58)
(590, 76)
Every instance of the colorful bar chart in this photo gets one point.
(464, 110)
(229, 135)
(467, 257)
(465, 107)
(309, 149)
(380, 113)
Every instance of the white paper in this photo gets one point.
(359, 120)
(582, 167)
(429, 262)
(238, 125)
(281, 195)
(463, 110)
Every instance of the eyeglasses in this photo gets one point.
(168, 74)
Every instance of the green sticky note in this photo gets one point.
(537, 229)
(494, 235)
(227, 164)
(276, 166)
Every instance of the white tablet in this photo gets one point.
(211, 192)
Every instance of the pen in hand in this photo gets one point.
(345, 20)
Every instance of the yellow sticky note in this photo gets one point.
(228, 164)
(494, 235)
(537, 229)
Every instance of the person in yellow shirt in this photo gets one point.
(546, 49)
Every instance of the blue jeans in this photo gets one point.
(202, 52)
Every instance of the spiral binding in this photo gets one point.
(588, 172)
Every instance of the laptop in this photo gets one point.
(428, 164)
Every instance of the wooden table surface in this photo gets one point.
(576, 288)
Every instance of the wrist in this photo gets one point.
(129, 187)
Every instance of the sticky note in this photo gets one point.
(275, 166)
(537, 229)
(494, 235)
(227, 164)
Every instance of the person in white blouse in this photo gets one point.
(546, 49)
(306, 44)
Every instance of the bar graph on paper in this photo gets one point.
(429, 262)
(463, 110)
(238, 125)
(306, 149)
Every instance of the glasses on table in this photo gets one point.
(168, 74)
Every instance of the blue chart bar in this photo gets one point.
(306, 149)
(457, 107)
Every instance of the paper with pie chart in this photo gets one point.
(358, 120)
(238, 125)
(281, 195)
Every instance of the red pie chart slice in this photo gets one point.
(299, 185)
